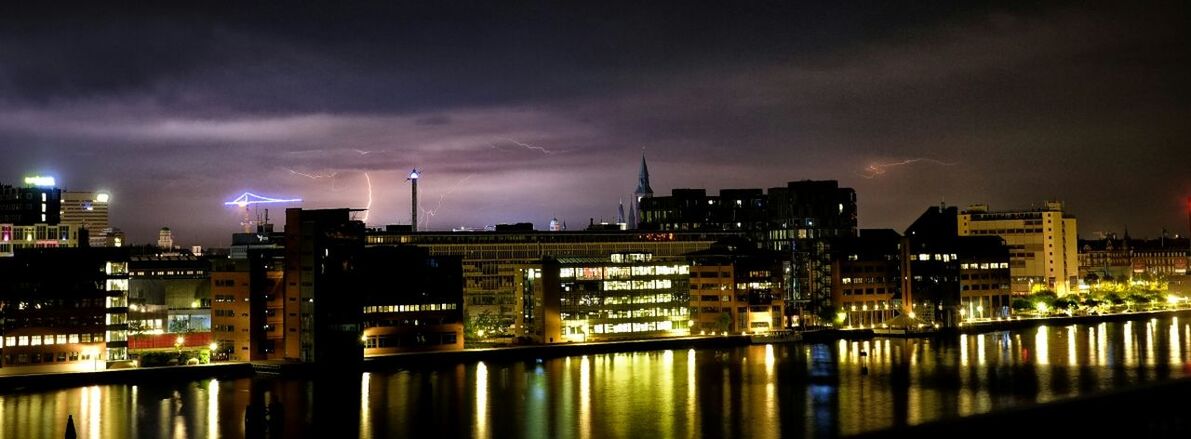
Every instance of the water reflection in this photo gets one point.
(757, 391)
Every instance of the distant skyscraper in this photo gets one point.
(88, 210)
(165, 239)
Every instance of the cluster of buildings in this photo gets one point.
(326, 289)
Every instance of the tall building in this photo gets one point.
(247, 313)
(736, 287)
(37, 202)
(321, 248)
(1043, 244)
(88, 210)
(64, 310)
(796, 219)
(623, 295)
(165, 239)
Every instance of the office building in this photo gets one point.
(412, 301)
(737, 288)
(37, 202)
(322, 318)
(492, 259)
(865, 277)
(88, 210)
(169, 294)
(1042, 242)
(64, 310)
(32, 236)
(165, 239)
(624, 295)
(248, 310)
(952, 278)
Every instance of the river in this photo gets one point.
(785, 390)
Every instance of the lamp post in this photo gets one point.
(214, 348)
(178, 346)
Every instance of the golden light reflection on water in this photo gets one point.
(213, 408)
(481, 413)
(776, 390)
(365, 405)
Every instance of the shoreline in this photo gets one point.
(234, 370)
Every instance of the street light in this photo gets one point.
(178, 346)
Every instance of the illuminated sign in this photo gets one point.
(38, 180)
(102, 197)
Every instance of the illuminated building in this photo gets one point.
(17, 237)
(165, 239)
(248, 310)
(1042, 243)
(736, 287)
(38, 202)
(169, 294)
(953, 277)
(322, 323)
(492, 259)
(1107, 259)
(795, 219)
(624, 295)
(89, 210)
(64, 310)
(866, 277)
(412, 301)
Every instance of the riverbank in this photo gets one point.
(18, 382)
(139, 375)
(1003, 325)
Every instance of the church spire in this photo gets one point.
(643, 189)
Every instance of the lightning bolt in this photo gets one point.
(875, 169)
(427, 214)
(368, 208)
(528, 146)
(315, 176)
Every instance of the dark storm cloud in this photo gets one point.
(540, 110)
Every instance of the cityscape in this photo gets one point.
(326, 221)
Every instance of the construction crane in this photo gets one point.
(249, 200)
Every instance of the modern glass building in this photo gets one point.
(621, 296)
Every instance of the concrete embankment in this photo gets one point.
(1004, 325)
(141, 375)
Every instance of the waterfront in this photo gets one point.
(757, 391)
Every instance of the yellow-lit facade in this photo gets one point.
(14, 237)
(727, 299)
(1043, 245)
(623, 296)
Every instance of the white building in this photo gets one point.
(1043, 244)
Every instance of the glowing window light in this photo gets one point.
(103, 197)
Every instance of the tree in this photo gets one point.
(723, 322)
(1021, 305)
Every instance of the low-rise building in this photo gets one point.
(736, 288)
(412, 301)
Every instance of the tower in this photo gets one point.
(413, 216)
(643, 191)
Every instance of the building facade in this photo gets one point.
(37, 202)
(737, 288)
(64, 310)
(412, 301)
(492, 261)
(624, 295)
(89, 210)
(953, 278)
(322, 315)
(1043, 244)
(866, 277)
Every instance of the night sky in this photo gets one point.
(542, 110)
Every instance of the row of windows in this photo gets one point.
(172, 273)
(410, 340)
(223, 298)
(984, 266)
(223, 313)
(38, 340)
(863, 291)
(620, 285)
(600, 273)
(866, 280)
(47, 357)
(983, 287)
(417, 307)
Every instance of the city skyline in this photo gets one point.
(1003, 105)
